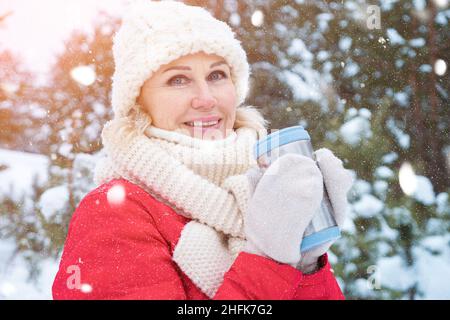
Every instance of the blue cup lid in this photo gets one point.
(279, 138)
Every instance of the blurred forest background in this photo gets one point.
(367, 79)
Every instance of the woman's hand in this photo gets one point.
(338, 182)
(265, 222)
(283, 204)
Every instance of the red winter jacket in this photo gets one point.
(125, 252)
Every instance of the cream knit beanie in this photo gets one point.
(155, 33)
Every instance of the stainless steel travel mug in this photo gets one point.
(323, 227)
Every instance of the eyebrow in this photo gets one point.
(215, 64)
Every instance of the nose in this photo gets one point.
(203, 99)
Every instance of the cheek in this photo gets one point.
(228, 102)
(168, 109)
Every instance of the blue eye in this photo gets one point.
(177, 80)
(221, 75)
(180, 80)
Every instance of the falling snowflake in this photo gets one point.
(116, 195)
(86, 288)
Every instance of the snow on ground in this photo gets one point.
(431, 270)
(14, 284)
(17, 171)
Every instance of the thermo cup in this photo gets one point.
(323, 227)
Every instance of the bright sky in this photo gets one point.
(36, 28)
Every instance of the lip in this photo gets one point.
(194, 131)
(205, 119)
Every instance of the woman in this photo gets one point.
(181, 211)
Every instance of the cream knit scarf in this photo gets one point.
(199, 179)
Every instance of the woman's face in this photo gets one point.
(193, 95)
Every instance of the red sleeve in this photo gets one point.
(118, 253)
(258, 278)
(115, 253)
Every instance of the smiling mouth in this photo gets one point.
(204, 124)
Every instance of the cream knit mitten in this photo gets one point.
(283, 204)
(338, 182)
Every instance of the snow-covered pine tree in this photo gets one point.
(77, 98)
(68, 135)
